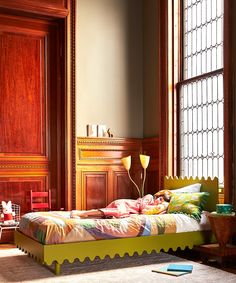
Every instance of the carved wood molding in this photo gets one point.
(54, 9)
(23, 166)
(28, 167)
(12, 163)
(88, 140)
(72, 53)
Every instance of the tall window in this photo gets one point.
(201, 97)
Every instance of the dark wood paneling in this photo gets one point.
(32, 88)
(17, 189)
(103, 155)
(151, 148)
(24, 146)
(50, 8)
(122, 185)
(32, 99)
(152, 185)
(7, 236)
(22, 103)
(96, 189)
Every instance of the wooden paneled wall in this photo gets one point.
(101, 176)
(32, 75)
(150, 146)
(49, 8)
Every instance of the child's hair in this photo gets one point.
(166, 194)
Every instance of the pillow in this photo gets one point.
(194, 188)
(190, 204)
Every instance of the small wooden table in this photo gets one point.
(223, 227)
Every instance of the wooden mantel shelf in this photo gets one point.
(107, 150)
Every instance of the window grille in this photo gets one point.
(201, 99)
(203, 36)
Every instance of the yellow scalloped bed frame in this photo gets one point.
(49, 254)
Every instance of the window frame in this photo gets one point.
(184, 81)
(170, 73)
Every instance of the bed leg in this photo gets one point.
(57, 268)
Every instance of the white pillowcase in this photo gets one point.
(194, 188)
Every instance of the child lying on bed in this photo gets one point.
(149, 204)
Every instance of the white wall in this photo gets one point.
(109, 66)
(150, 68)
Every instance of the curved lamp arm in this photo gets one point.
(144, 179)
(134, 184)
(144, 159)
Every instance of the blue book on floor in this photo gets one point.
(180, 267)
(164, 270)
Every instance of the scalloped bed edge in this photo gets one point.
(58, 253)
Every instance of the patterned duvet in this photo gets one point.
(57, 227)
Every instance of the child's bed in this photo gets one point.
(48, 252)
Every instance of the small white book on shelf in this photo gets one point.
(102, 131)
(91, 130)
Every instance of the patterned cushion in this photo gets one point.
(190, 204)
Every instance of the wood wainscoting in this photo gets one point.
(101, 177)
(32, 95)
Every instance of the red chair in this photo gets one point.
(40, 200)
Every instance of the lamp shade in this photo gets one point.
(144, 159)
(126, 162)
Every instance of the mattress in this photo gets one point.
(56, 227)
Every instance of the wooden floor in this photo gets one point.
(7, 246)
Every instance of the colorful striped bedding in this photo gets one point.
(57, 227)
